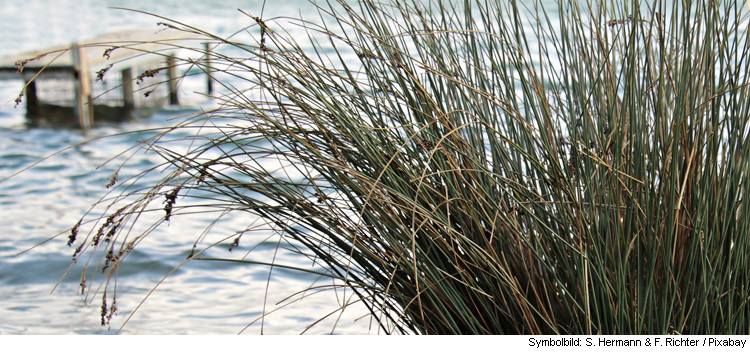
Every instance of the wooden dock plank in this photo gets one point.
(119, 52)
(135, 46)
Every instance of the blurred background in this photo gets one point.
(47, 200)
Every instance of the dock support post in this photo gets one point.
(32, 102)
(83, 108)
(209, 79)
(127, 89)
(172, 67)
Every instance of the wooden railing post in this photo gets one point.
(32, 102)
(127, 89)
(83, 108)
(171, 65)
(209, 80)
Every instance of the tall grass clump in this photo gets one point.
(481, 167)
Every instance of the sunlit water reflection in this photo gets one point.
(199, 298)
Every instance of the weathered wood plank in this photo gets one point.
(132, 47)
(114, 52)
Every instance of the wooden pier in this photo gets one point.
(127, 67)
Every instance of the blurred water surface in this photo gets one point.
(44, 201)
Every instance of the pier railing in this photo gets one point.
(107, 77)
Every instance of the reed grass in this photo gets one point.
(484, 167)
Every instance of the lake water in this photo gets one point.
(201, 297)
